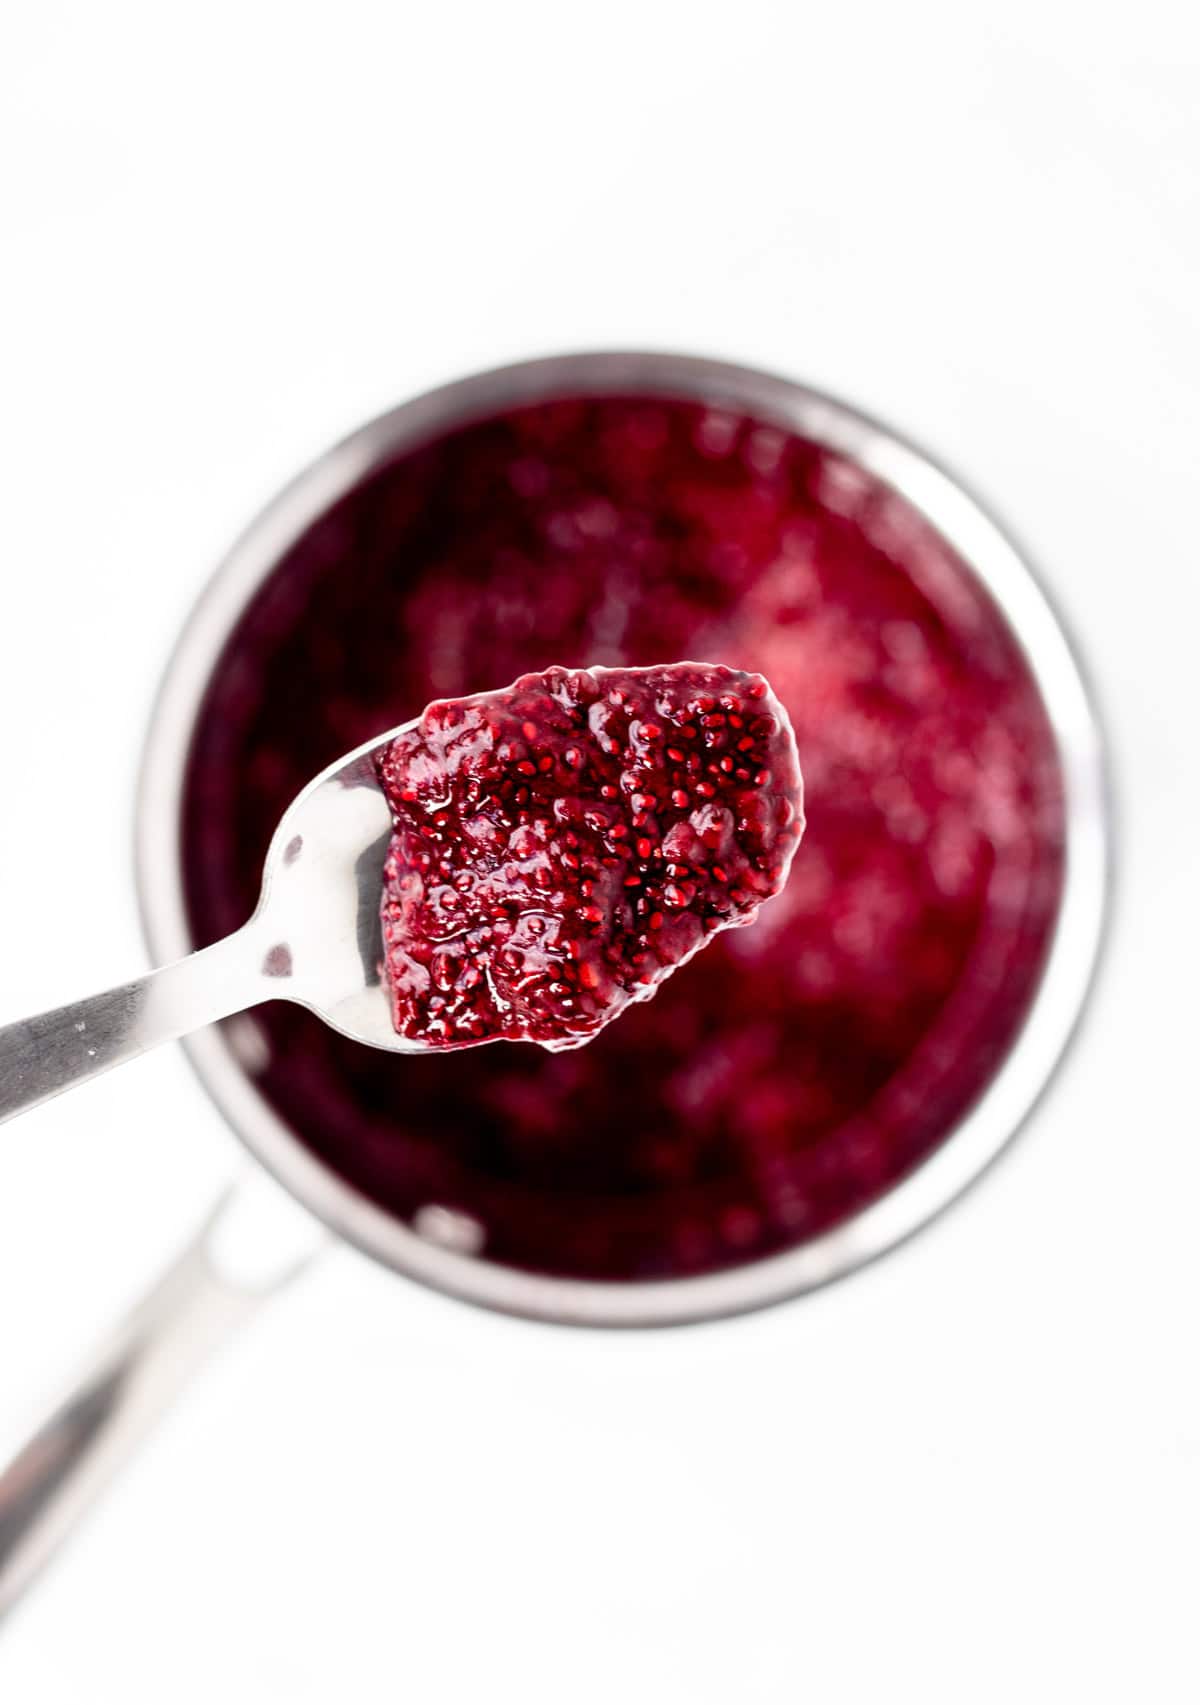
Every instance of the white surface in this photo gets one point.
(228, 236)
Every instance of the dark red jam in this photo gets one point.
(795, 1070)
(564, 844)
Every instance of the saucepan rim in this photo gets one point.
(1049, 1027)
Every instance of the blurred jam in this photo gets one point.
(795, 1070)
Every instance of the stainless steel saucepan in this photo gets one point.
(256, 1238)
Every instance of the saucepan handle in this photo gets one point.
(252, 1243)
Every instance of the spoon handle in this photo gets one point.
(52, 1051)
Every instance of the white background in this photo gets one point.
(232, 232)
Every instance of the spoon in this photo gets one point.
(516, 865)
(313, 939)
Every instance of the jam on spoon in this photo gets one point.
(563, 845)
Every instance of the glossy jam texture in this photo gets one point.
(561, 846)
(793, 1071)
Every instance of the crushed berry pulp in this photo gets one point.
(795, 1071)
(562, 846)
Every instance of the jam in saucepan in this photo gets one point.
(563, 845)
(793, 1071)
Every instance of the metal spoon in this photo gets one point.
(314, 939)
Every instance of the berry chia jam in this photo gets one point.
(564, 844)
(793, 1071)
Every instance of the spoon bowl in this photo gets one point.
(317, 921)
